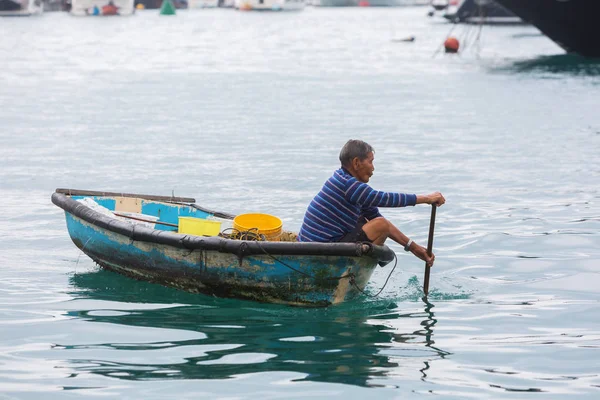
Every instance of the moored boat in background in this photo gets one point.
(269, 5)
(335, 3)
(102, 7)
(481, 12)
(157, 4)
(572, 24)
(439, 5)
(137, 236)
(370, 3)
(395, 3)
(20, 8)
(192, 4)
(199, 4)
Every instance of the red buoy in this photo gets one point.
(364, 3)
(451, 45)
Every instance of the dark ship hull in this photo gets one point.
(572, 24)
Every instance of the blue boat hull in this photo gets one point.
(304, 274)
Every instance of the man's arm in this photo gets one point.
(364, 195)
(419, 251)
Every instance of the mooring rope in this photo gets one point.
(81, 252)
(353, 282)
(350, 275)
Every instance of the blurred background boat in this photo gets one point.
(102, 7)
(394, 3)
(20, 8)
(571, 24)
(370, 3)
(335, 3)
(155, 4)
(203, 3)
(269, 5)
(439, 5)
(480, 12)
(198, 4)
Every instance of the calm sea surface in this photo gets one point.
(247, 112)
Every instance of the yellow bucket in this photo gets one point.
(268, 225)
(198, 226)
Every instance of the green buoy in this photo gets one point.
(167, 8)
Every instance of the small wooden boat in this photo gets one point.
(287, 272)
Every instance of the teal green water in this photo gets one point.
(247, 112)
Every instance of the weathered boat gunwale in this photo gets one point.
(79, 192)
(241, 248)
(189, 201)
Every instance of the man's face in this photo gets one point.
(364, 168)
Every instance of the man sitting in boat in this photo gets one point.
(346, 208)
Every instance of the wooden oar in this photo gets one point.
(429, 249)
(145, 220)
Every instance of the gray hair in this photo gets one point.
(354, 148)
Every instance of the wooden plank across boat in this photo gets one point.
(287, 272)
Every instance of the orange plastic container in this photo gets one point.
(268, 225)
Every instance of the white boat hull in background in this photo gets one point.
(28, 8)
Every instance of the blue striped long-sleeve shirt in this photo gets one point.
(336, 209)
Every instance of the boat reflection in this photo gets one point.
(568, 64)
(355, 343)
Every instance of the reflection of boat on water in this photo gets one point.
(335, 3)
(192, 4)
(571, 24)
(346, 344)
(394, 3)
(269, 5)
(157, 4)
(196, 4)
(20, 8)
(102, 7)
(481, 12)
(370, 3)
(564, 64)
(286, 271)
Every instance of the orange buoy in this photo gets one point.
(451, 45)
(364, 3)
